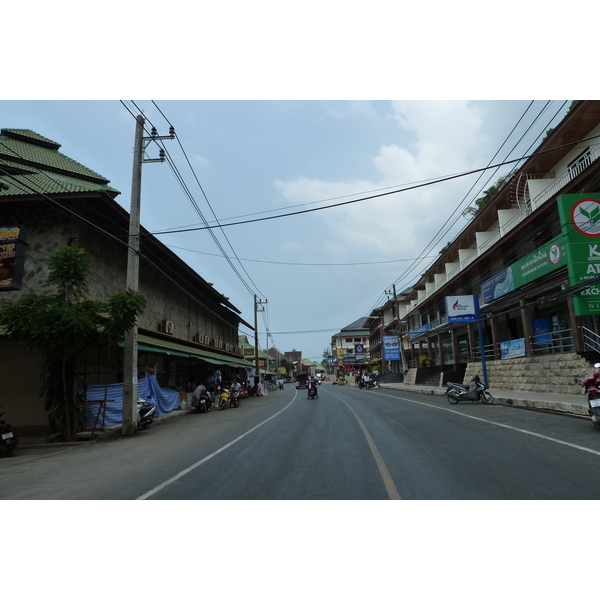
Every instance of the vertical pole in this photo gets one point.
(256, 338)
(480, 324)
(130, 374)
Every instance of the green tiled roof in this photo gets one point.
(29, 148)
(49, 183)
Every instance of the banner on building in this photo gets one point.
(12, 257)
(580, 223)
(547, 258)
(462, 308)
(391, 347)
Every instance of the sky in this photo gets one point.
(251, 164)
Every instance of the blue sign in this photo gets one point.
(391, 347)
(359, 352)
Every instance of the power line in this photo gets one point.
(372, 197)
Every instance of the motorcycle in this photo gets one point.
(224, 399)
(592, 394)
(145, 411)
(235, 397)
(312, 392)
(457, 391)
(203, 403)
(8, 441)
(375, 383)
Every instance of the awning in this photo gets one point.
(159, 346)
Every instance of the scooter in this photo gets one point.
(312, 392)
(146, 411)
(592, 394)
(8, 441)
(224, 399)
(457, 391)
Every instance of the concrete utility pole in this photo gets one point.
(130, 372)
(256, 310)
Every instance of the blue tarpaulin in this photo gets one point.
(166, 400)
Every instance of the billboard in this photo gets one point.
(12, 257)
(580, 223)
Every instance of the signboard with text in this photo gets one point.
(462, 308)
(391, 347)
(580, 223)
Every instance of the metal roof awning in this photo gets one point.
(158, 346)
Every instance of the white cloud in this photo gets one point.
(445, 138)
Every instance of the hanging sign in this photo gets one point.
(462, 308)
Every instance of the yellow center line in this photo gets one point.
(390, 486)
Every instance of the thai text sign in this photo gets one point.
(547, 258)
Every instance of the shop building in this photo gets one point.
(533, 278)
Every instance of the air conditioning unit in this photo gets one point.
(167, 327)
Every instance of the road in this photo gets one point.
(347, 444)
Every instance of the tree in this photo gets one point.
(487, 196)
(63, 323)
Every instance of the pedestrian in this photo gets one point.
(357, 379)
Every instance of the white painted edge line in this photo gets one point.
(525, 431)
(207, 458)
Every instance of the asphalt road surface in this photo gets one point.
(349, 443)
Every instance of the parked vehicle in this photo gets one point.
(375, 383)
(592, 393)
(312, 392)
(223, 399)
(203, 403)
(146, 411)
(8, 441)
(457, 391)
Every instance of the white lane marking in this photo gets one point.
(525, 431)
(179, 475)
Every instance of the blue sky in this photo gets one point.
(266, 158)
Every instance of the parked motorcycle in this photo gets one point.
(203, 403)
(375, 383)
(592, 393)
(223, 399)
(457, 391)
(146, 411)
(8, 441)
(312, 392)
